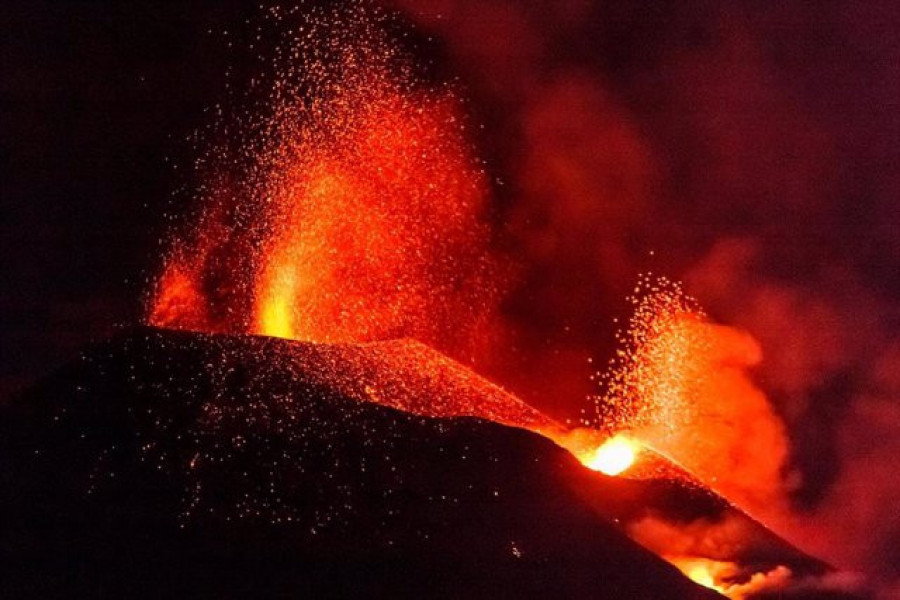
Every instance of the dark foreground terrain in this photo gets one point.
(173, 464)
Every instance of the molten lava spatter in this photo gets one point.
(352, 210)
(680, 385)
(652, 381)
(178, 301)
(378, 235)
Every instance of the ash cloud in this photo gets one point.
(750, 151)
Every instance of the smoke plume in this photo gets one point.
(751, 153)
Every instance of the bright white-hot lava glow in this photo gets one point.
(699, 573)
(614, 456)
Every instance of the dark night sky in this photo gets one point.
(94, 98)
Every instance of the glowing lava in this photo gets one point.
(373, 238)
(682, 385)
(615, 456)
(698, 571)
(348, 207)
(729, 579)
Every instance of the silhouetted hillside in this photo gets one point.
(171, 464)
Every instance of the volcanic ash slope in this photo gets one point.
(173, 464)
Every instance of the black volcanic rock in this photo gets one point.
(171, 464)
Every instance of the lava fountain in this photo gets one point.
(352, 209)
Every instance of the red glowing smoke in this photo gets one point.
(743, 150)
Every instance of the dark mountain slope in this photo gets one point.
(186, 465)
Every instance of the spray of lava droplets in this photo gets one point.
(346, 205)
(651, 382)
(680, 385)
(343, 205)
(346, 208)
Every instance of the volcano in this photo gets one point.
(183, 464)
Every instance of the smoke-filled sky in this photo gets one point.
(751, 150)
